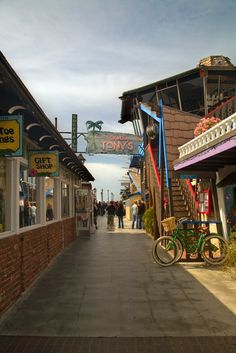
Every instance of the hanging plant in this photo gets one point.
(205, 124)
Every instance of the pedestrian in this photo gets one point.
(140, 213)
(120, 214)
(49, 212)
(134, 210)
(95, 215)
(111, 211)
(27, 213)
(33, 213)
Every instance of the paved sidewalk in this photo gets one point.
(106, 294)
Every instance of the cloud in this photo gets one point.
(107, 177)
(79, 56)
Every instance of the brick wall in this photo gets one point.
(55, 240)
(10, 271)
(25, 256)
(34, 255)
(69, 231)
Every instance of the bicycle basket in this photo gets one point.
(169, 224)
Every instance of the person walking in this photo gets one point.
(134, 210)
(111, 211)
(120, 214)
(141, 210)
(95, 215)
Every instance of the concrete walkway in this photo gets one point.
(107, 285)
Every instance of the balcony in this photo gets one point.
(218, 133)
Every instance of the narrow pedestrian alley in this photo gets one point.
(106, 292)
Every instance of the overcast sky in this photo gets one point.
(79, 56)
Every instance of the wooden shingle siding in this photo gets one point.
(179, 129)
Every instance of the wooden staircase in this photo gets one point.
(180, 201)
(180, 205)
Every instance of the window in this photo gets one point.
(4, 197)
(192, 96)
(64, 200)
(50, 198)
(219, 88)
(170, 97)
(27, 195)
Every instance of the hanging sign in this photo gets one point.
(43, 163)
(204, 206)
(104, 142)
(74, 132)
(11, 136)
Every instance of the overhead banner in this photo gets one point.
(11, 136)
(43, 163)
(104, 142)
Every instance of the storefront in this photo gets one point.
(39, 176)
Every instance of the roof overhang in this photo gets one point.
(17, 100)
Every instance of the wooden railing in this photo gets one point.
(190, 197)
(224, 110)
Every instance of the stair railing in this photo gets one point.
(190, 197)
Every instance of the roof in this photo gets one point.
(16, 99)
(202, 69)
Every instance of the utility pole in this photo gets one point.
(102, 195)
(107, 195)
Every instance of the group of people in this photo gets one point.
(118, 209)
(28, 213)
(112, 209)
(138, 209)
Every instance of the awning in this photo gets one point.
(16, 99)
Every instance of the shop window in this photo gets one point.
(50, 197)
(28, 205)
(4, 197)
(64, 200)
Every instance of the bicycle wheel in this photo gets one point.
(214, 249)
(165, 251)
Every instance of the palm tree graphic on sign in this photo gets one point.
(93, 127)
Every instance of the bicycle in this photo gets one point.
(169, 248)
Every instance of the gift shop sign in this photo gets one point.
(43, 163)
(112, 143)
(11, 136)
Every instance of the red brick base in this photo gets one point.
(25, 256)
